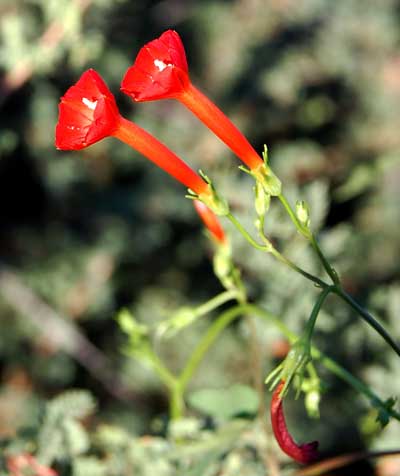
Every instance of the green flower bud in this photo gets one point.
(262, 200)
(312, 400)
(303, 213)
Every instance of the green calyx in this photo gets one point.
(268, 180)
(262, 199)
(293, 366)
(225, 270)
(210, 198)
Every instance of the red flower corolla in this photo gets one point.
(211, 221)
(160, 71)
(25, 463)
(88, 113)
(305, 453)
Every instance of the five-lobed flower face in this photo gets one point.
(87, 113)
(160, 70)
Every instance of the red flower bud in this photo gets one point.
(88, 113)
(211, 222)
(160, 71)
(305, 453)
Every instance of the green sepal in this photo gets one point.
(265, 155)
(210, 198)
(268, 180)
(293, 366)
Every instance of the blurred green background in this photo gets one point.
(93, 231)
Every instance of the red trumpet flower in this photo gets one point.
(305, 453)
(160, 71)
(88, 113)
(211, 222)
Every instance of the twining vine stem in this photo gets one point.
(336, 288)
(177, 384)
(269, 248)
(233, 313)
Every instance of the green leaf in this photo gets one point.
(202, 466)
(75, 438)
(60, 434)
(88, 466)
(225, 403)
(72, 404)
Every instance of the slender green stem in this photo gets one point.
(177, 386)
(207, 340)
(328, 268)
(174, 385)
(246, 234)
(165, 375)
(337, 289)
(269, 248)
(349, 378)
(307, 234)
(279, 256)
(300, 228)
(216, 302)
(329, 363)
(367, 317)
(314, 313)
(176, 402)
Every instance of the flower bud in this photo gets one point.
(303, 213)
(262, 200)
(304, 453)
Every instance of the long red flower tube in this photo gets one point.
(160, 71)
(305, 453)
(88, 113)
(210, 221)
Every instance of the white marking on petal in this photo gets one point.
(90, 104)
(160, 65)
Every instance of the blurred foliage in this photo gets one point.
(95, 231)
